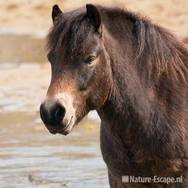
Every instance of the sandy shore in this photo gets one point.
(33, 16)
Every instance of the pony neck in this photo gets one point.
(128, 95)
(134, 119)
(131, 109)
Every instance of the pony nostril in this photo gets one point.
(59, 113)
(43, 113)
(52, 113)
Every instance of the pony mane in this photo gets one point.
(160, 52)
(64, 31)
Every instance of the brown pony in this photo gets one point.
(135, 74)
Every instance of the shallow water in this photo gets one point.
(29, 155)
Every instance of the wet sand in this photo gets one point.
(23, 86)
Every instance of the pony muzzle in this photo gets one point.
(57, 117)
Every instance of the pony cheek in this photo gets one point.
(84, 79)
(81, 110)
(96, 99)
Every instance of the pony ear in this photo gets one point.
(94, 16)
(56, 11)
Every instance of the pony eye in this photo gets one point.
(90, 59)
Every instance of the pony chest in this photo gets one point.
(122, 160)
(115, 154)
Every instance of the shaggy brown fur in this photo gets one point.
(141, 92)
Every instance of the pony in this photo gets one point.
(134, 73)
